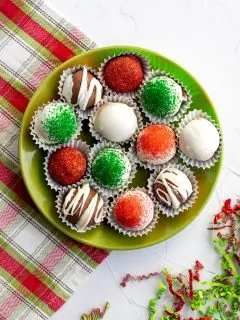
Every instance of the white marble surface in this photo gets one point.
(204, 37)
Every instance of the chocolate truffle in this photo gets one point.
(55, 123)
(116, 122)
(123, 74)
(156, 144)
(67, 165)
(111, 168)
(82, 89)
(133, 210)
(83, 207)
(199, 139)
(162, 97)
(172, 187)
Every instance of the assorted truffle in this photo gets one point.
(83, 207)
(162, 97)
(55, 123)
(172, 187)
(123, 74)
(199, 139)
(111, 168)
(116, 122)
(67, 165)
(156, 144)
(82, 89)
(133, 210)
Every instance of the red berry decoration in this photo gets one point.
(67, 165)
(123, 74)
(156, 144)
(134, 210)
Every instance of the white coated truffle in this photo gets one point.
(116, 122)
(199, 139)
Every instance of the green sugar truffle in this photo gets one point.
(56, 123)
(162, 97)
(111, 168)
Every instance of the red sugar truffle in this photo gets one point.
(123, 74)
(156, 144)
(134, 210)
(67, 165)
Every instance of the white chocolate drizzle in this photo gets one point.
(177, 186)
(74, 203)
(67, 88)
(84, 93)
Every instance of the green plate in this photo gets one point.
(31, 158)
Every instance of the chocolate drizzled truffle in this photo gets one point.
(83, 207)
(172, 187)
(82, 89)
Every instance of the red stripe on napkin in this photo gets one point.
(13, 96)
(10, 179)
(30, 281)
(33, 29)
(98, 255)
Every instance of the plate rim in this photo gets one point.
(73, 235)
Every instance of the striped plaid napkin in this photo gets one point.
(39, 266)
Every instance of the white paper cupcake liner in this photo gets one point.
(77, 144)
(83, 114)
(186, 103)
(164, 209)
(147, 165)
(145, 66)
(93, 153)
(40, 142)
(127, 232)
(113, 98)
(196, 114)
(60, 200)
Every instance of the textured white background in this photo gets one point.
(204, 37)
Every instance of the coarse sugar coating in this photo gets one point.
(162, 96)
(111, 168)
(67, 165)
(156, 144)
(123, 74)
(134, 210)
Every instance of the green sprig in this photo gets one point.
(226, 257)
(152, 306)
